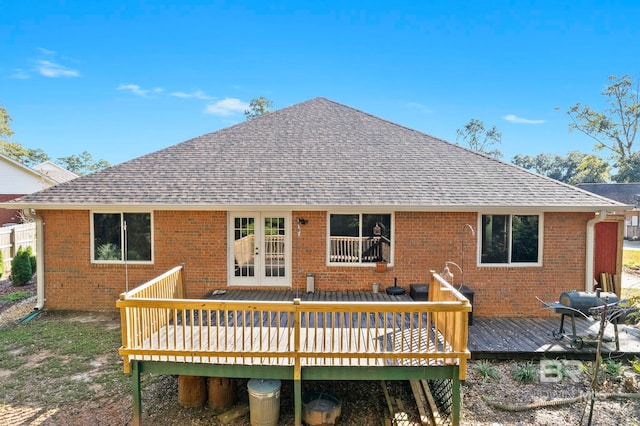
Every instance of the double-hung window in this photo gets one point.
(119, 237)
(511, 239)
(359, 238)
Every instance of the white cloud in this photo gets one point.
(137, 90)
(20, 74)
(197, 94)
(418, 106)
(46, 51)
(515, 119)
(226, 107)
(47, 65)
(55, 70)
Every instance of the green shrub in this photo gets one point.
(21, 268)
(612, 368)
(487, 371)
(525, 373)
(32, 259)
(1, 265)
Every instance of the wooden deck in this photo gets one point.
(532, 338)
(294, 336)
(489, 338)
(318, 296)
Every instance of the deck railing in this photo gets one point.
(349, 249)
(341, 249)
(158, 324)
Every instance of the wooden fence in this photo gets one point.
(16, 236)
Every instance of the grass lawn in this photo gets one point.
(60, 361)
(631, 258)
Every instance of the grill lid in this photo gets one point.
(584, 300)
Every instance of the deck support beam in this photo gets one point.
(456, 400)
(297, 374)
(137, 393)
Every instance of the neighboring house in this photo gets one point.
(625, 193)
(318, 189)
(54, 172)
(17, 180)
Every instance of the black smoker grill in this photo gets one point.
(572, 303)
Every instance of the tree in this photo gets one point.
(82, 164)
(576, 167)
(258, 107)
(591, 169)
(5, 128)
(615, 128)
(480, 139)
(78, 164)
(15, 150)
(25, 156)
(629, 171)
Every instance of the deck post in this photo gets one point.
(297, 368)
(137, 393)
(456, 396)
(297, 400)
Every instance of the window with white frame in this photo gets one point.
(511, 239)
(116, 235)
(359, 238)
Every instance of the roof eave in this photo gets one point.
(317, 207)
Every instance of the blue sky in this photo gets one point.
(120, 79)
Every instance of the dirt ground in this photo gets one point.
(363, 403)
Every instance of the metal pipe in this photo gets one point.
(31, 214)
(590, 250)
(462, 243)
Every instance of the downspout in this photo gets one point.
(591, 224)
(30, 213)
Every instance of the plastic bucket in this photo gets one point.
(264, 402)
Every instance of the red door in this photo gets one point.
(606, 248)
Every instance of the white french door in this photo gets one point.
(259, 249)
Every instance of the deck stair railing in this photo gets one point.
(159, 324)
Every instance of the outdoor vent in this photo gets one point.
(311, 283)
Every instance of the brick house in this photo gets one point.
(316, 188)
(625, 193)
(17, 180)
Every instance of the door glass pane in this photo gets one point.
(243, 246)
(274, 246)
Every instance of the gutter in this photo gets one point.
(31, 213)
(591, 224)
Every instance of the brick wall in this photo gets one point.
(197, 239)
(9, 215)
(423, 241)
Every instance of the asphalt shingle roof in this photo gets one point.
(626, 193)
(312, 155)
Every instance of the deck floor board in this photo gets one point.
(512, 337)
(533, 338)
